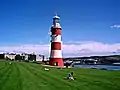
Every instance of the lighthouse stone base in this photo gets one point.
(57, 62)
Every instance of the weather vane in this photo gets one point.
(56, 14)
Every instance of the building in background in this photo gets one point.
(23, 57)
(10, 56)
(39, 57)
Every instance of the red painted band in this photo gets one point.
(56, 46)
(56, 31)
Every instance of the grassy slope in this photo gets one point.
(24, 76)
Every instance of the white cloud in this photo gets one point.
(69, 49)
(78, 42)
(115, 26)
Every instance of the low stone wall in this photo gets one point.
(56, 66)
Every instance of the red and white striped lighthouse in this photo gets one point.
(56, 52)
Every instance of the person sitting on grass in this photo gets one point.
(70, 76)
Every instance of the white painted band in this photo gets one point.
(56, 38)
(56, 54)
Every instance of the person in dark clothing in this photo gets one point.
(70, 76)
(72, 73)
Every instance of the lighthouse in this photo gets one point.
(56, 43)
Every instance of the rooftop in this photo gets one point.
(56, 16)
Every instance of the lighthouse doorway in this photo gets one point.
(56, 63)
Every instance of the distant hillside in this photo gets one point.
(110, 57)
(94, 57)
(102, 59)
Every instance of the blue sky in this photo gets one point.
(28, 21)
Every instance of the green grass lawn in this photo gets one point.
(31, 76)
